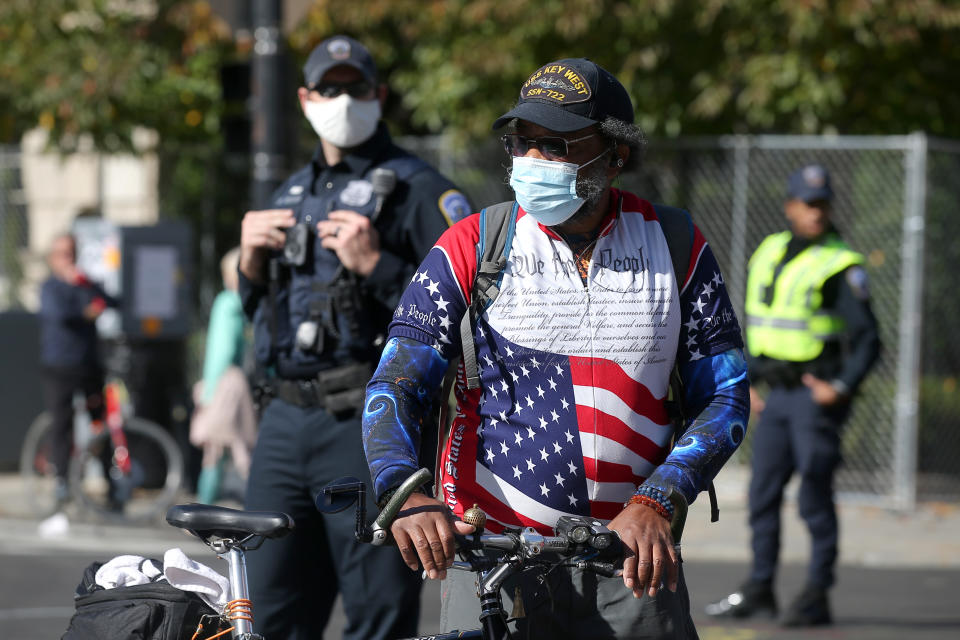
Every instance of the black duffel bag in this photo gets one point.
(153, 611)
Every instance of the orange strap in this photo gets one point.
(222, 633)
(239, 609)
(196, 634)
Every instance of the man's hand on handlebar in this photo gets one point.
(648, 549)
(423, 531)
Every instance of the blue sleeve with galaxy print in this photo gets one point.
(399, 397)
(717, 396)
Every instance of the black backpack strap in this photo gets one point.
(497, 225)
(677, 226)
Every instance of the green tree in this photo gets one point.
(106, 67)
(691, 66)
(103, 67)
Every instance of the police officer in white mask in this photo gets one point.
(321, 273)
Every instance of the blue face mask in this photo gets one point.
(547, 189)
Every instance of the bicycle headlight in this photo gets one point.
(602, 540)
(580, 534)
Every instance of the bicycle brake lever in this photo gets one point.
(468, 542)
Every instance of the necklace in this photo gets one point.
(581, 245)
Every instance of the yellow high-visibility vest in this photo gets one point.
(792, 326)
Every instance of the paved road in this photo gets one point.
(868, 603)
(881, 604)
(899, 575)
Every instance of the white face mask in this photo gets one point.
(344, 121)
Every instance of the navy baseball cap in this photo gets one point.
(335, 51)
(810, 183)
(570, 94)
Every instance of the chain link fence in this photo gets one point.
(894, 202)
(938, 398)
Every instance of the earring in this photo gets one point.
(619, 162)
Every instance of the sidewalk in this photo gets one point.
(20, 532)
(869, 536)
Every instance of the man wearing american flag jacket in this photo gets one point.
(574, 358)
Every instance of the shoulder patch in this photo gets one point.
(454, 206)
(858, 281)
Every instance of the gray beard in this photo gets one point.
(591, 187)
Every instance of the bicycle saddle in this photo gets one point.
(210, 521)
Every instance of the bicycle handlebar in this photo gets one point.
(582, 542)
(381, 526)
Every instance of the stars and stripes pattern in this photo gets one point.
(709, 323)
(555, 438)
(549, 434)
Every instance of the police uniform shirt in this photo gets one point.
(422, 205)
(847, 363)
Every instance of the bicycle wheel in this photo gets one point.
(151, 486)
(36, 470)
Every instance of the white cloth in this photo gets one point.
(186, 574)
(126, 571)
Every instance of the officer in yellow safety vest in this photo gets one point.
(811, 338)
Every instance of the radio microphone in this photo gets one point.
(384, 181)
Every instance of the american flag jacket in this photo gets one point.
(570, 416)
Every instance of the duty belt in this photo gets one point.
(302, 393)
(337, 390)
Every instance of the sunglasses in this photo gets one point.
(552, 147)
(361, 89)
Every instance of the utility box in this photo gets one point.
(150, 270)
(156, 280)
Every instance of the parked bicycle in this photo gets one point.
(580, 542)
(123, 469)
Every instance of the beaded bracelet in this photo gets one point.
(649, 502)
(654, 498)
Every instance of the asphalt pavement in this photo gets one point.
(899, 572)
